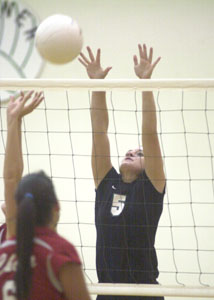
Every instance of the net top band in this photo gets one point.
(105, 84)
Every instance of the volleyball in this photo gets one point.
(59, 39)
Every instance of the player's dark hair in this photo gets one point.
(35, 198)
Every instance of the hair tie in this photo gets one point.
(28, 195)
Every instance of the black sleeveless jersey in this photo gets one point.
(126, 218)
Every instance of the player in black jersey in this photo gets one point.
(128, 204)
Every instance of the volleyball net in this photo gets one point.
(57, 138)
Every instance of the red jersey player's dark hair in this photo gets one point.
(35, 198)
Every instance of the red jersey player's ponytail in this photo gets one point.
(35, 197)
(25, 235)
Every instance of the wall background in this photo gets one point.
(179, 31)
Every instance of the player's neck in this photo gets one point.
(128, 177)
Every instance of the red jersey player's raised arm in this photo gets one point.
(36, 262)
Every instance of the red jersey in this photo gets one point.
(50, 253)
(3, 232)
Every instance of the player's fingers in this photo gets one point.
(90, 53)
(155, 63)
(98, 56)
(82, 62)
(12, 98)
(84, 58)
(106, 71)
(20, 97)
(141, 54)
(145, 51)
(150, 55)
(38, 101)
(27, 96)
(135, 60)
(37, 96)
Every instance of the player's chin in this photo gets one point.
(126, 166)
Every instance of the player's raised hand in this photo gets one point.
(144, 66)
(92, 64)
(18, 107)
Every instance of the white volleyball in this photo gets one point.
(59, 39)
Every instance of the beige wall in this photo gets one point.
(180, 32)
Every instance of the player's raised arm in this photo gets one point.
(144, 67)
(13, 162)
(101, 161)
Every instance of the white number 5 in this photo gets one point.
(9, 290)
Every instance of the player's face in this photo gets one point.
(55, 215)
(133, 161)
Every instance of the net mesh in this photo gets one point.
(57, 139)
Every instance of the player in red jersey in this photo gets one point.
(35, 262)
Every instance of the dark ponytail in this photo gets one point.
(35, 197)
(24, 234)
